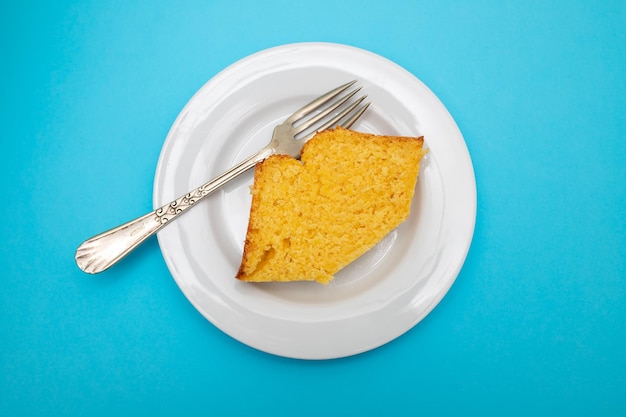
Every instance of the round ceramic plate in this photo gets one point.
(376, 298)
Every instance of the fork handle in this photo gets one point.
(106, 249)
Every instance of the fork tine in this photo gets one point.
(335, 120)
(332, 122)
(348, 123)
(320, 101)
(305, 125)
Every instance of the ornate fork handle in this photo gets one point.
(106, 249)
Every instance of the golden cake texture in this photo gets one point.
(311, 217)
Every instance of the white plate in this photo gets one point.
(382, 294)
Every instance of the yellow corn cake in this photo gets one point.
(311, 217)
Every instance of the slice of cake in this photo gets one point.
(312, 217)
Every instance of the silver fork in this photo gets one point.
(337, 107)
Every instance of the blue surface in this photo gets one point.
(536, 321)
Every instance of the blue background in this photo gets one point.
(535, 323)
